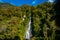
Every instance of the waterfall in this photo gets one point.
(28, 32)
(24, 17)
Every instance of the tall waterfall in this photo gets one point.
(28, 32)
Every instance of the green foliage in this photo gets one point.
(44, 22)
(12, 24)
(11, 21)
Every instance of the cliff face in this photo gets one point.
(11, 21)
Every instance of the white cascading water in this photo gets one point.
(24, 17)
(28, 32)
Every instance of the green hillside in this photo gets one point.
(13, 25)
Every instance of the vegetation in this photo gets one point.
(12, 23)
(13, 27)
(44, 22)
